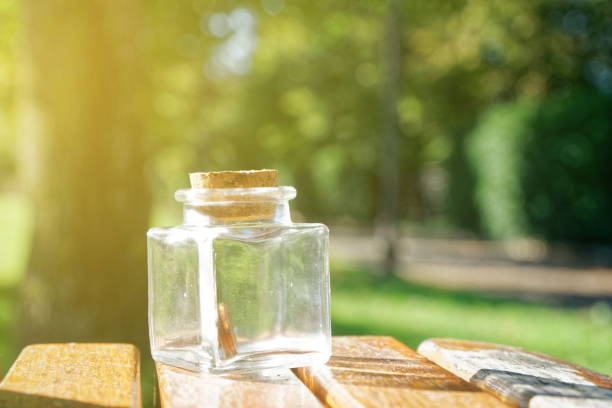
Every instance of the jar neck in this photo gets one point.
(236, 213)
(227, 206)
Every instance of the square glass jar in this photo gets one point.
(239, 286)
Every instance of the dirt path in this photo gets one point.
(528, 267)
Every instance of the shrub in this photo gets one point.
(545, 168)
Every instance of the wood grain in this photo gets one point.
(519, 377)
(382, 372)
(178, 388)
(73, 375)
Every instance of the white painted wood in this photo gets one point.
(520, 377)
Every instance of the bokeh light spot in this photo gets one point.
(218, 25)
(366, 74)
(273, 7)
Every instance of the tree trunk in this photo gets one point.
(391, 62)
(82, 158)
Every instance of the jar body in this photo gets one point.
(241, 296)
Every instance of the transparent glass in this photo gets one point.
(239, 286)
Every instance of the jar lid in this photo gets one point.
(236, 195)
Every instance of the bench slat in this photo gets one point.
(520, 377)
(73, 375)
(382, 372)
(178, 388)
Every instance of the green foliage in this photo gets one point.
(567, 177)
(296, 86)
(494, 149)
(308, 100)
(544, 168)
(16, 218)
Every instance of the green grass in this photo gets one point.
(365, 304)
(7, 327)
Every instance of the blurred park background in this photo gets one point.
(460, 151)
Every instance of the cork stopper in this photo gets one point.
(242, 208)
(235, 179)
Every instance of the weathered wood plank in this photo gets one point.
(178, 388)
(519, 377)
(382, 372)
(73, 375)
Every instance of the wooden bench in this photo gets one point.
(73, 375)
(362, 372)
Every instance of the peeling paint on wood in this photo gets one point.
(73, 375)
(382, 372)
(178, 388)
(519, 377)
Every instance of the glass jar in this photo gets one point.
(239, 286)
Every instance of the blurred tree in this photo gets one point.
(8, 29)
(389, 173)
(81, 106)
